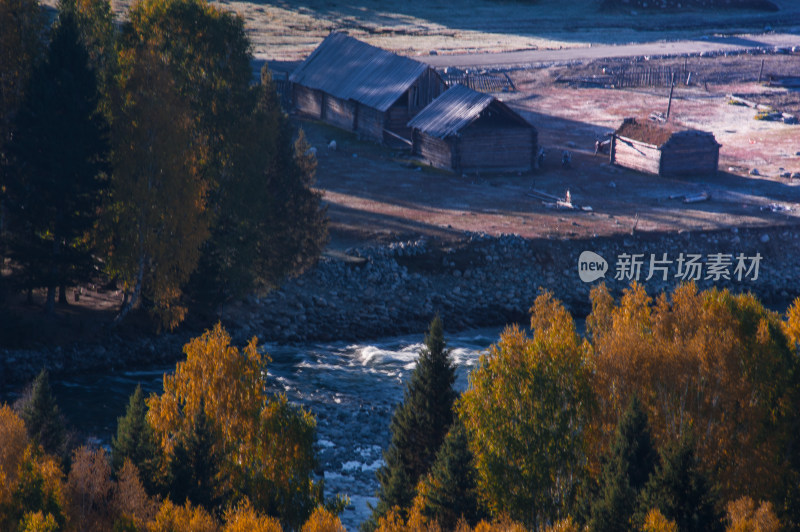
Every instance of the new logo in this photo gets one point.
(591, 266)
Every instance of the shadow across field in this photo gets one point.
(578, 21)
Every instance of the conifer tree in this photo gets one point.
(57, 163)
(135, 441)
(42, 417)
(680, 490)
(419, 424)
(195, 465)
(631, 462)
(22, 24)
(453, 486)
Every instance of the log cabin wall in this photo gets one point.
(427, 88)
(308, 101)
(435, 152)
(635, 155)
(689, 155)
(338, 112)
(369, 123)
(496, 148)
(397, 118)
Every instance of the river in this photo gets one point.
(352, 389)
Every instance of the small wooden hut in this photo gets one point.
(464, 130)
(664, 150)
(361, 88)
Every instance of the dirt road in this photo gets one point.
(713, 44)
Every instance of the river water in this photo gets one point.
(352, 389)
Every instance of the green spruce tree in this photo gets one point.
(419, 424)
(43, 420)
(681, 491)
(632, 459)
(195, 473)
(57, 162)
(453, 495)
(135, 441)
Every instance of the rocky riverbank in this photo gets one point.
(485, 280)
(480, 280)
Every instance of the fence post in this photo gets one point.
(671, 88)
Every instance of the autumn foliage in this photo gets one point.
(526, 410)
(262, 448)
(712, 362)
(265, 443)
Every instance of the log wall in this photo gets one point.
(677, 157)
(435, 152)
(338, 112)
(689, 158)
(635, 155)
(497, 148)
(308, 101)
(426, 89)
(369, 123)
(396, 119)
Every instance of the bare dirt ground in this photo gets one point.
(377, 194)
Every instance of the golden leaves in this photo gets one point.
(322, 520)
(656, 522)
(266, 443)
(744, 516)
(709, 361)
(245, 519)
(526, 411)
(217, 375)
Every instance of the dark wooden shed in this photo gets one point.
(664, 150)
(361, 88)
(464, 130)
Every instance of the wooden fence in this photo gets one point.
(481, 82)
(651, 77)
(283, 87)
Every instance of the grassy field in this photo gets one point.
(287, 30)
(283, 30)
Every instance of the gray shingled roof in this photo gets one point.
(353, 70)
(454, 110)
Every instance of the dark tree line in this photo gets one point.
(146, 154)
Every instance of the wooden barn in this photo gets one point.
(361, 88)
(464, 130)
(664, 150)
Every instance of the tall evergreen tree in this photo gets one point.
(195, 466)
(632, 459)
(58, 159)
(135, 441)
(453, 493)
(96, 25)
(419, 424)
(22, 24)
(681, 490)
(42, 417)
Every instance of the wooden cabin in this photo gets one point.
(358, 87)
(466, 131)
(664, 150)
